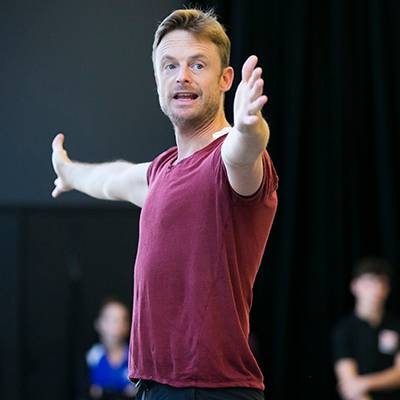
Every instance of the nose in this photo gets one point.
(183, 75)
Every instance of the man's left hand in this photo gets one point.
(249, 100)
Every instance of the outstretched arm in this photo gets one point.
(242, 149)
(118, 180)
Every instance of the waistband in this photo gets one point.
(145, 384)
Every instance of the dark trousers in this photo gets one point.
(150, 390)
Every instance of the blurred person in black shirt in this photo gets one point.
(366, 344)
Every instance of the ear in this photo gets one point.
(96, 325)
(353, 286)
(226, 79)
(387, 286)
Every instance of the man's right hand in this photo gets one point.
(116, 180)
(60, 161)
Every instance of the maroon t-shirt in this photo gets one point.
(199, 251)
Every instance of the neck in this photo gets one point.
(189, 139)
(112, 346)
(370, 313)
(115, 352)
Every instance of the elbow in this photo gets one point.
(107, 191)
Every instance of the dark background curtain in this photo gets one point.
(331, 75)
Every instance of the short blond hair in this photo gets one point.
(201, 23)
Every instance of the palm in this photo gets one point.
(59, 159)
(249, 99)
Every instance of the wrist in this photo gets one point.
(67, 172)
(367, 382)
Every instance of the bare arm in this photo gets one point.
(346, 368)
(349, 386)
(242, 149)
(118, 180)
(385, 380)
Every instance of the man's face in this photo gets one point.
(370, 289)
(189, 77)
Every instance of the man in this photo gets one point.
(367, 343)
(208, 206)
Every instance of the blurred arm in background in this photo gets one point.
(352, 385)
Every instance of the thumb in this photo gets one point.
(55, 193)
(58, 142)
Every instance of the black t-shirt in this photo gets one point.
(373, 348)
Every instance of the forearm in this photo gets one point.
(94, 179)
(245, 148)
(385, 380)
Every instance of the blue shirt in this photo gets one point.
(104, 374)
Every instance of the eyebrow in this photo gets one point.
(167, 58)
(200, 56)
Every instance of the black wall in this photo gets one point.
(83, 68)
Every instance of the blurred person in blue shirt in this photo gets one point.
(107, 360)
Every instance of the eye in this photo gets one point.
(169, 66)
(198, 66)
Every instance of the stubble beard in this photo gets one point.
(196, 120)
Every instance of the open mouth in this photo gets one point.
(185, 96)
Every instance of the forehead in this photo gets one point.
(113, 309)
(181, 44)
(370, 277)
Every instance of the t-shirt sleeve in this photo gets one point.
(268, 186)
(341, 342)
(150, 173)
(270, 180)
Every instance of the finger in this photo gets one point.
(257, 105)
(251, 119)
(59, 184)
(257, 90)
(55, 192)
(255, 76)
(248, 67)
(58, 142)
